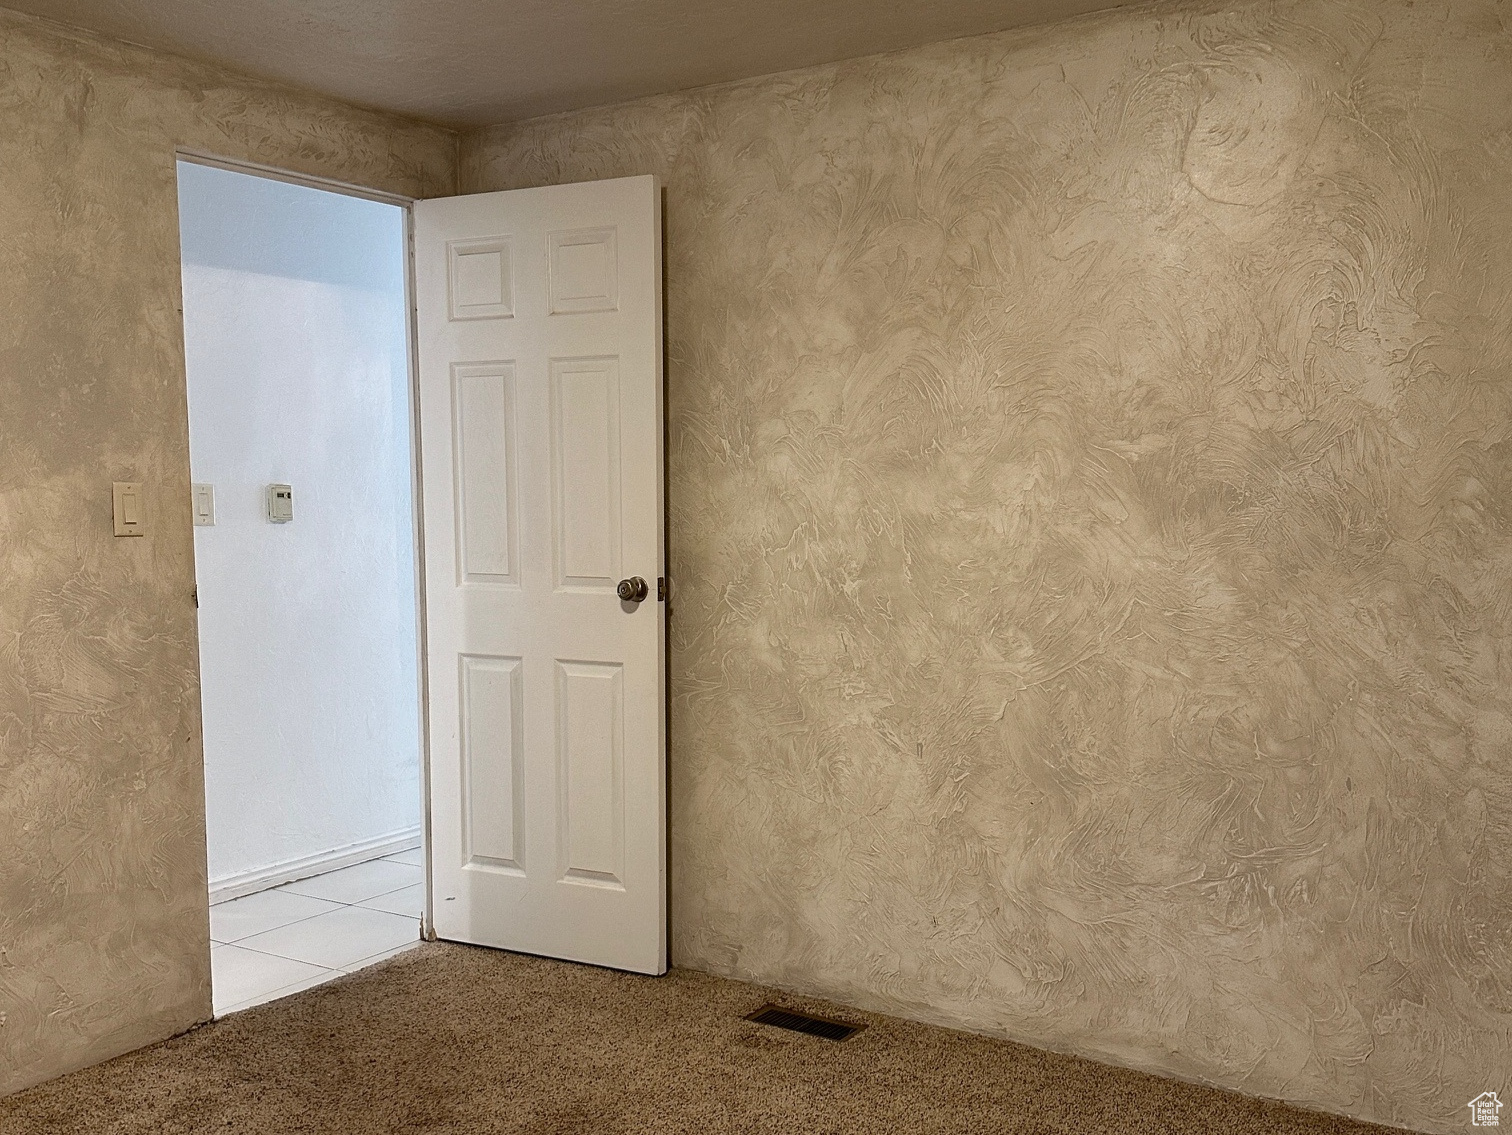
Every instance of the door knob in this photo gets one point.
(632, 590)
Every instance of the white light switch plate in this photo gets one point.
(126, 499)
(204, 504)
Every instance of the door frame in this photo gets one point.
(417, 505)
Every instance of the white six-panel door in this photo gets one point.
(539, 318)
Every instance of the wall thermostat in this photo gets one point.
(280, 503)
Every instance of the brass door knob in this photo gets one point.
(632, 590)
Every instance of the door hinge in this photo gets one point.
(661, 589)
(194, 594)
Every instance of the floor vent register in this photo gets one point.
(793, 1021)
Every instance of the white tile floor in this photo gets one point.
(277, 942)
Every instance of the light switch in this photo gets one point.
(204, 504)
(280, 504)
(126, 499)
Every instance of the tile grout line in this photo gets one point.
(303, 961)
(326, 972)
(317, 898)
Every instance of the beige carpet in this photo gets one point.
(454, 1039)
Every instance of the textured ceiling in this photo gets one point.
(476, 62)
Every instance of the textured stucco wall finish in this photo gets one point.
(1091, 493)
(104, 942)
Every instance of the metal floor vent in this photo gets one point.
(781, 1018)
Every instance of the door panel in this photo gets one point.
(586, 472)
(493, 766)
(541, 426)
(590, 782)
(483, 450)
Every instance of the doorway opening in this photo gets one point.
(296, 328)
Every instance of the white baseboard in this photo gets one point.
(245, 883)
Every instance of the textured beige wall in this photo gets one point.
(1091, 502)
(103, 931)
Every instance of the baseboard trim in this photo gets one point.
(246, 883)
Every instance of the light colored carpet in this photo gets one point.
(459, 1040)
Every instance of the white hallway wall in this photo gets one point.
(294, 317)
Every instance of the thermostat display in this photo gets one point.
(280, 503)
